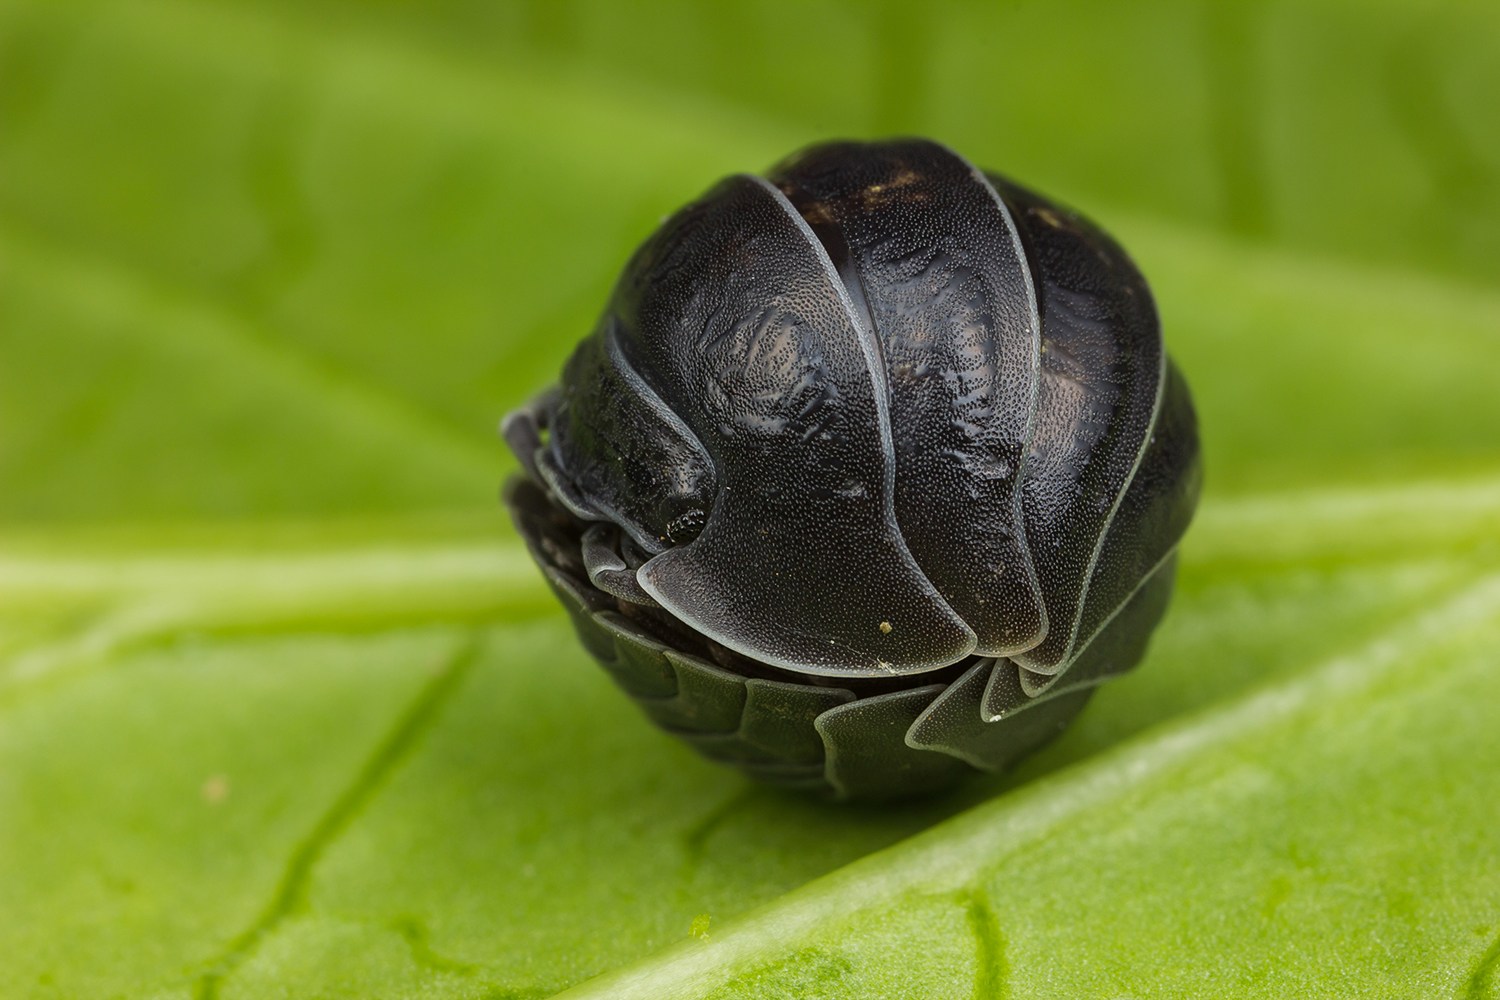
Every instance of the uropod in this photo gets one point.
(873, 469)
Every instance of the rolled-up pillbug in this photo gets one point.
(871, 471)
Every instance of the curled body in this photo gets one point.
(872, 470)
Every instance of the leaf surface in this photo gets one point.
(285, 709)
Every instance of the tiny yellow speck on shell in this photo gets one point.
(885, 627)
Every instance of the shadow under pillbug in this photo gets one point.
(872, 470)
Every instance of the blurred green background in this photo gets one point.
(283, 709)
(285, 259)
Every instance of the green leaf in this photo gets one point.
(1326, 835)
(285, 709)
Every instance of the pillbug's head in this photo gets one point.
(876, 416)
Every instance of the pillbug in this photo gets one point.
(872, 470)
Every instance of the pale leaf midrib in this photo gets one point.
(128, 602)
(386, 567)
(1420, 512)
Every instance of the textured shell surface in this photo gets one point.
(871, 471)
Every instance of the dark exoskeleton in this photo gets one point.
(873, 470)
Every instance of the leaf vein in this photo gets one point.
(291, 892)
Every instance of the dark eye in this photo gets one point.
(686, 527)
(870, 473)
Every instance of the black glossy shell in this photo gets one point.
(879, 427)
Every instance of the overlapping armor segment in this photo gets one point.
(618, 452)
(792, 733)
(816, 736)
(1100, 381)
(1153, 514)
(934, 265)
(734, 317)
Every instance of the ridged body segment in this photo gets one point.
(1099, 381)
(731, 313)
(936, 258)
